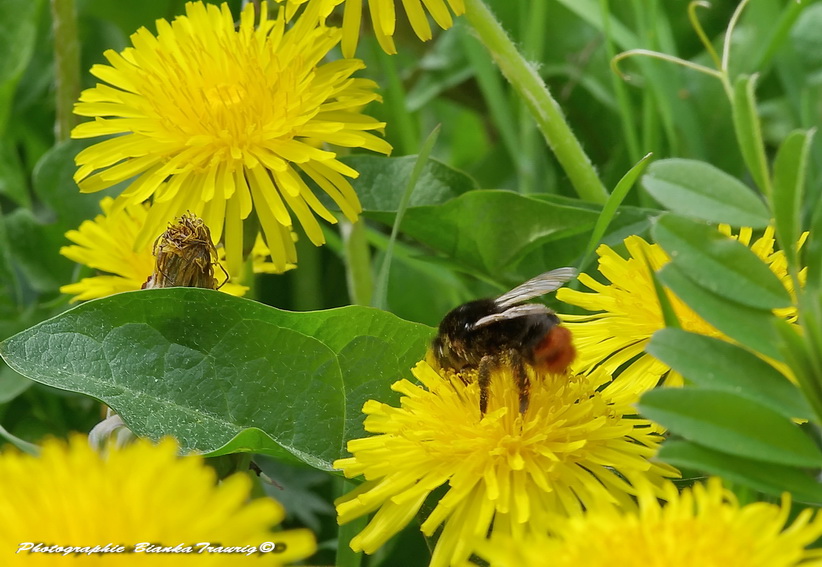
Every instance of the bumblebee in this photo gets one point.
(485, 334)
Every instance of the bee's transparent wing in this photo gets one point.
(540, 285)
(512, 313)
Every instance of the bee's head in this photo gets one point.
(446, 353)
(455, 332)
(440, 348)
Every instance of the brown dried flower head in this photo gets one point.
(185, 256)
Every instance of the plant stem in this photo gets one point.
(307, 291)
(357, 262)
(545, 110)
(346, 557)
(66, 65)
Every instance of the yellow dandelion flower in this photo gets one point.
(220, 121)
(107, 244)
(704, 526)
(384, 18)
(628, 313)
(579, 444)
(71, 496)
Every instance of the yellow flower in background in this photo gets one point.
(143, 493)
(384, 18)
(222, 121)
(775, 259)
(628, 312)
(579, 444)
(704, 526)
(107, 244)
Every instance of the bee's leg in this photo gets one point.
(486, 366)
(522, 380)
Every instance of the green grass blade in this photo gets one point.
(381, 285)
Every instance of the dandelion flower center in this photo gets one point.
(578, 444)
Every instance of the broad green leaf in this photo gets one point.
(730, 423)
(567, 250)
(380, 182)
(719, 365)
(749, 131)
(490, 231)
(224, 374)
(750, 327)
(381, 285)
(720, 264)
(699, 190)
(769, 478)
(789, 171)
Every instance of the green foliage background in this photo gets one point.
(490, 209)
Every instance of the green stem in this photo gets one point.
(357, 262)
(66, 66)
(346, 557)
(545, 110)
(307, 291)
